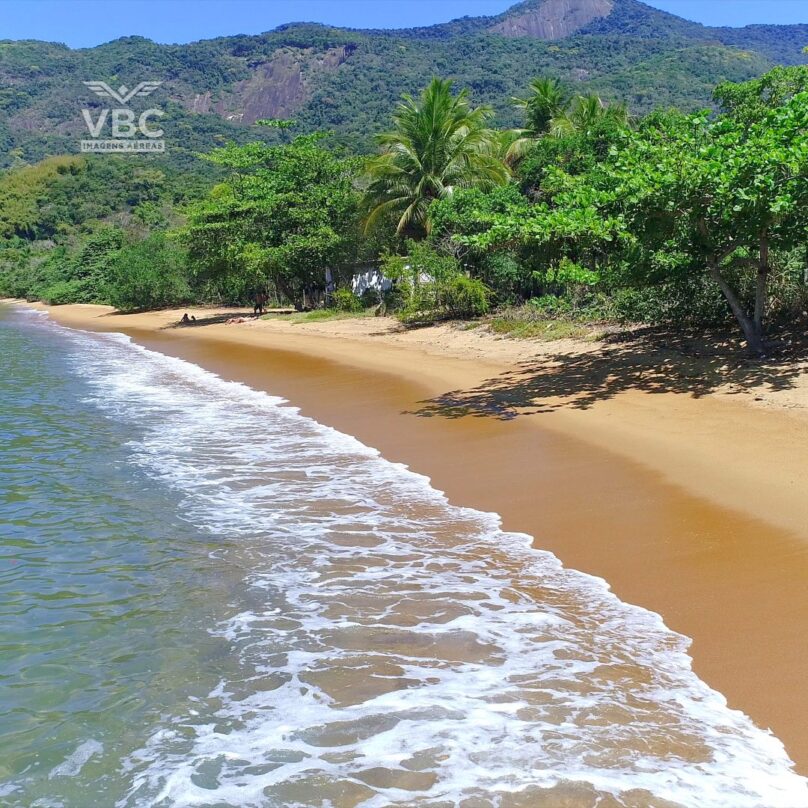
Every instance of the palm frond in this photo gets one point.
(439, 142)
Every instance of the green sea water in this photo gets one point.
(106, 593)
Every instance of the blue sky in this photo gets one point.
(83, 23)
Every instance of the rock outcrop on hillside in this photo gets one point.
(553, 19)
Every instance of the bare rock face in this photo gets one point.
(553, 19)
(201, 103)
(276, 89)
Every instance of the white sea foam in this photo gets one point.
(397, 649)
(75, 762)
(25, 311)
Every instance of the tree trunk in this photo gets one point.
(760, 289)
(288, 294)
(753, 338)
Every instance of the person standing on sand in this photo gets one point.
(260, 301)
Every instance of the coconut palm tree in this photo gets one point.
(439, 143)
(550, 111)
(546, 103)
(586, 112)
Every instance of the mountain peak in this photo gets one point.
(551, 19)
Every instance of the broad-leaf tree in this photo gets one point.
(287, 215)
(682, 197)
(718, 197)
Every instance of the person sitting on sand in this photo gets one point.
(185, 319)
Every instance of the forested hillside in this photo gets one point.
(346, 81)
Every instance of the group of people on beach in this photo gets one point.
(259, 307)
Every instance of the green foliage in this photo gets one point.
(345, 300)
(149, 274)
(549, 110)
(752, 100)
(61, 292)
(285, 215)
(430, 286)
(547, 102)
(35, 199)
(686, 301)
(319, 316)
(677, 217)
(86, 272)
(459, 297)
(471, 211)
(504, 274)
(717, 197)
(681, 199)
(439, 144)
(548, 318)
(353, 78)
(63, 221)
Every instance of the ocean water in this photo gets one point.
(207, 599)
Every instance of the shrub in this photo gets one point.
(61, 292)
(460, 296)
(453, 297)
(15, 281)
(346, 300)
(504, 273)
(532, 322)
(550, 305)
(689, 301)
(429, 286)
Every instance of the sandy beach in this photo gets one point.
(678, 477)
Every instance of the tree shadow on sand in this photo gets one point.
(212, 319)
(645, 360)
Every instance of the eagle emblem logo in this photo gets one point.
(123, 94)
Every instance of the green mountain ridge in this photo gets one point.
(348, 81)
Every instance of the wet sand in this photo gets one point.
(694, 508)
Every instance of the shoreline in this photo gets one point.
(704, 521)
